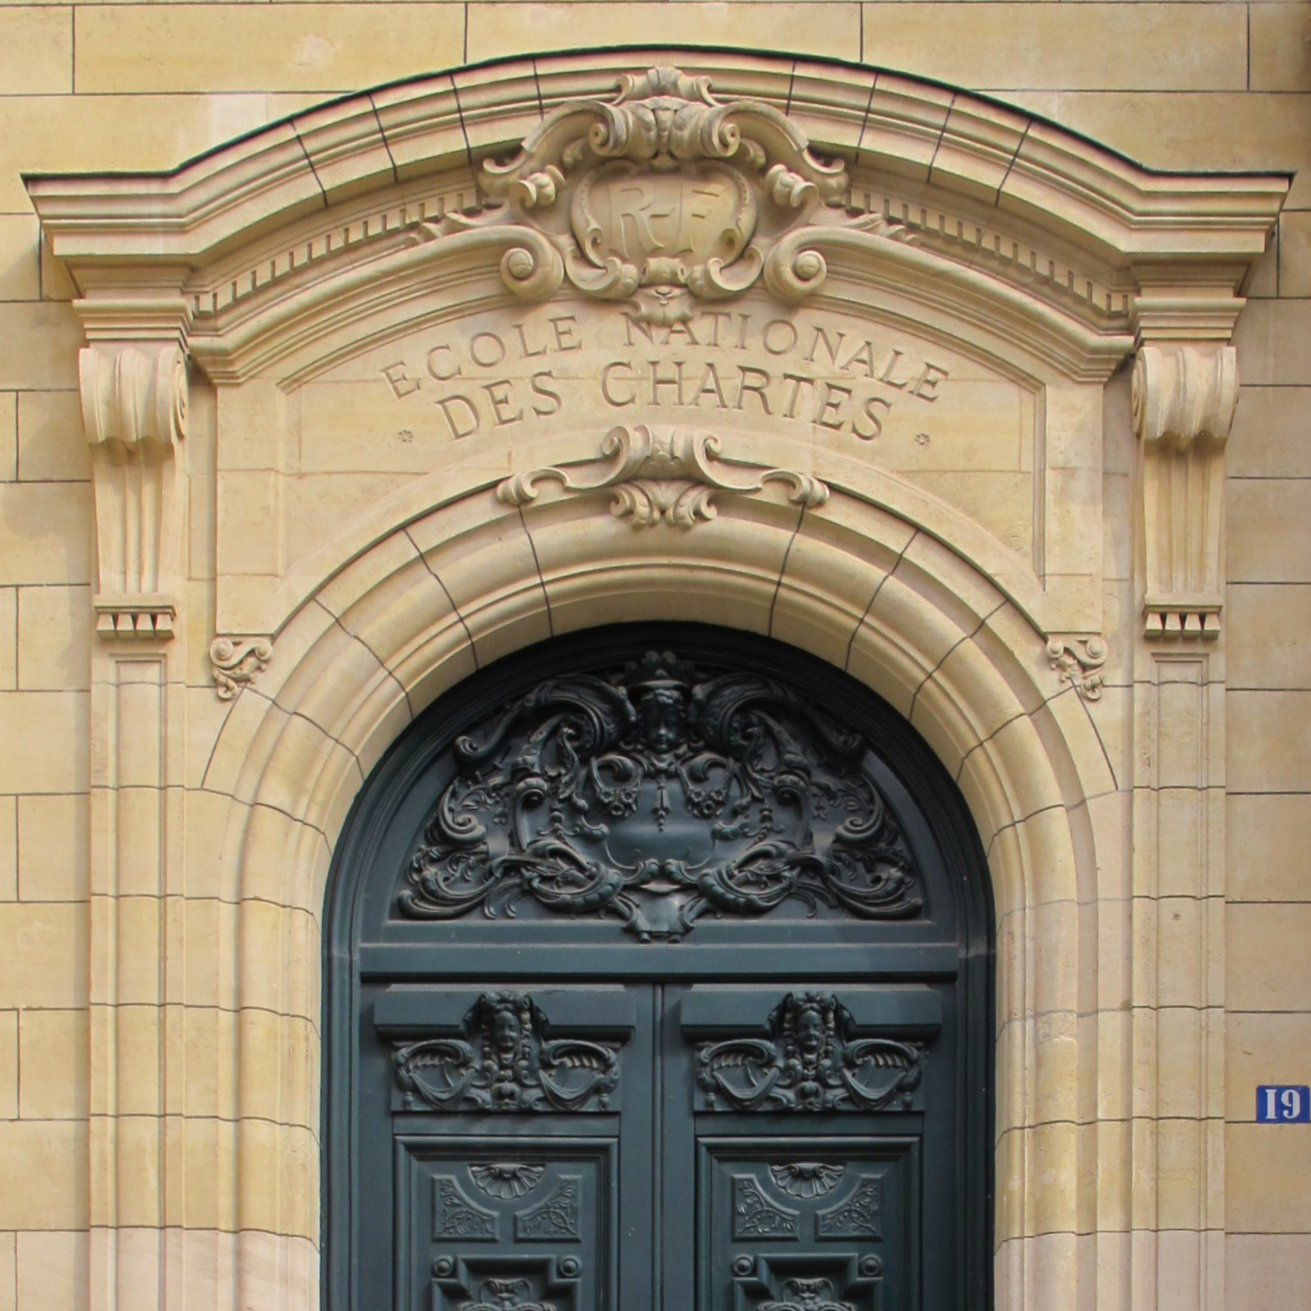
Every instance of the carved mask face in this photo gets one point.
(506, 1032)
(809, 1031)
(662, 718)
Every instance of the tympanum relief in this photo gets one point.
(657, 795)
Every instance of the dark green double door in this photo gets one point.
(658, 984)
(656, 1146)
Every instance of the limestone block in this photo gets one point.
(38, 340)
(8, 436)
(1280, 35)
(52, 1271)
(1274, 339)
(54, 628)
(8, 848)
(9, 1084)
(1268, 740)
(8, 638)
(53, 847)
(1294, 243)
(1267, 838)
(1269, 967)
(52, 445)
(48, 1156)
(36, 50)
(1261, 1048)
(52, 1062)
(332, 47)
(45, 964)
(1084, 47)
(45, 533)
(1270, 643)
(1266, 439)
(1267, 1270)
(830, 29)
(1265, 1182)
(20, 275)
(1269, 538)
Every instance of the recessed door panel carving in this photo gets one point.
(808, 1219)
(513, 1222)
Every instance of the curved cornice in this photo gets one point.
(1016, 164)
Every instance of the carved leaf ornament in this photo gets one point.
(664, 194)
(657, 794)
(663, 475)
(504, 1063)
(810, 1062)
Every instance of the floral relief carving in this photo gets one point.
(807, 1179)
(665, 195)
(656, 795)
(810, 1062)
(755, 1216)
(553, 1220)
(807, 1295)
(1079, 662)
(664, 475)
(457, 1216)
(504, 1063)
(236, 661)
(505, 1179)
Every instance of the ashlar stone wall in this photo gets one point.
(101, 87)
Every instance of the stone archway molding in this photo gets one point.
(274, 260)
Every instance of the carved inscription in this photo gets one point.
(839, 379)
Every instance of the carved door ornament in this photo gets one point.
(663, 195)
(656, 795)
(811, 1061)
(505, 1063)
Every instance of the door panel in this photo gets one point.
(660, 981)
(655, 1146)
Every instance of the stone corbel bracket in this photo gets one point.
(134, 410)
(666, 195)
(1184, 394)
(664, 475)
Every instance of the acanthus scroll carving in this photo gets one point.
(1079, 661)
(134, 411)
(236, 661)
(664, 475)
(504, 1062)
(665, 195)
(656, 795)
(811, 1061)
(1183, 407)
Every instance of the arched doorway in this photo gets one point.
(658, 974)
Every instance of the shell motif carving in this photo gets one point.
(655, 795)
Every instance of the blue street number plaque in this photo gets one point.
(1278, 1103)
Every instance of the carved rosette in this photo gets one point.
(134, 411)
(664, 475)
(664, 195)
(656, 795)
(1183, 407)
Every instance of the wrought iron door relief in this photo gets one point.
(655, 794)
